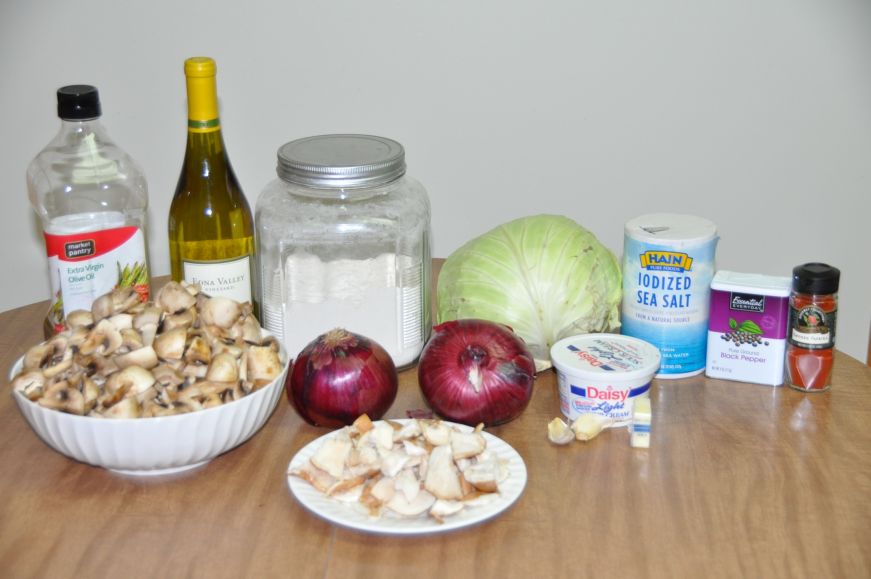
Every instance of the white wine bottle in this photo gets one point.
(211, 231)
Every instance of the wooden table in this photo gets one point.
(741, 480)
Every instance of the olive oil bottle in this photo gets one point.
(211, 231)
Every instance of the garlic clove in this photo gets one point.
(558, 432)
(588, 425)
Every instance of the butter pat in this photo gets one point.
(639, 429)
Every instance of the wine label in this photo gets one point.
(229, 279)
(85, 265)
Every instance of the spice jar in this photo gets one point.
(343, 238)
(813, 311)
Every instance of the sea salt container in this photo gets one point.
(668, 264)
(747, 328)
(603, 374)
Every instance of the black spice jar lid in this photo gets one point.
(815, 278)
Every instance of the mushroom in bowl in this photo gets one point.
(149, 388)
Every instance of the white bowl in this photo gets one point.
(153, 446)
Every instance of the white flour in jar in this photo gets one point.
(379, 298)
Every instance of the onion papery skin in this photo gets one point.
(340, 375)
(461, 352)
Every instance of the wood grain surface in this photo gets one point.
(741, 480)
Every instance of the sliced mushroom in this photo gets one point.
(77, 336)
(30, 383)
(98, 367)
(194, 371)
(61, 396)
(131, 339)
(41, 355)
(247, 329)
(220, 311)
(198, 352)
(234, 392)
(144, 357)
(117, 301)
(263, 364)
(173, 298)
(146, 323)
(133, 379)
(90, 393)
(166, 376)
(125, 408)
(182, 319)
(102, 340)
(79, 319)
(59, 363)
(122, 321)
(171, 345)
(148, 315)
(223, 368)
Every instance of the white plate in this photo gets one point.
(345, 515)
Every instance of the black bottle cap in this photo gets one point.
(78, 102)
(815, 278)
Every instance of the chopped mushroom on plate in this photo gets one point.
(411, 469)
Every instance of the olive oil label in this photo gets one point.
(229, 279)
(86, 265)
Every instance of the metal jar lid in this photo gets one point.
(341, 161)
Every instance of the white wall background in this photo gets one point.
(753, 113)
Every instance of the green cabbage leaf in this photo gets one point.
(545, 276)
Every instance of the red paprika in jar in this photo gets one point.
(813, 312)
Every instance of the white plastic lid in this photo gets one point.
(671, 228)
(752, 283)
(593, 356)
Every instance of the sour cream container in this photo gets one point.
(603, 374)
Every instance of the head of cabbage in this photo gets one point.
(545, 276)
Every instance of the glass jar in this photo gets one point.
(343, 240)
(813, 313)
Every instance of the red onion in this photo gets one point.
(473, 371)
(339, 376)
